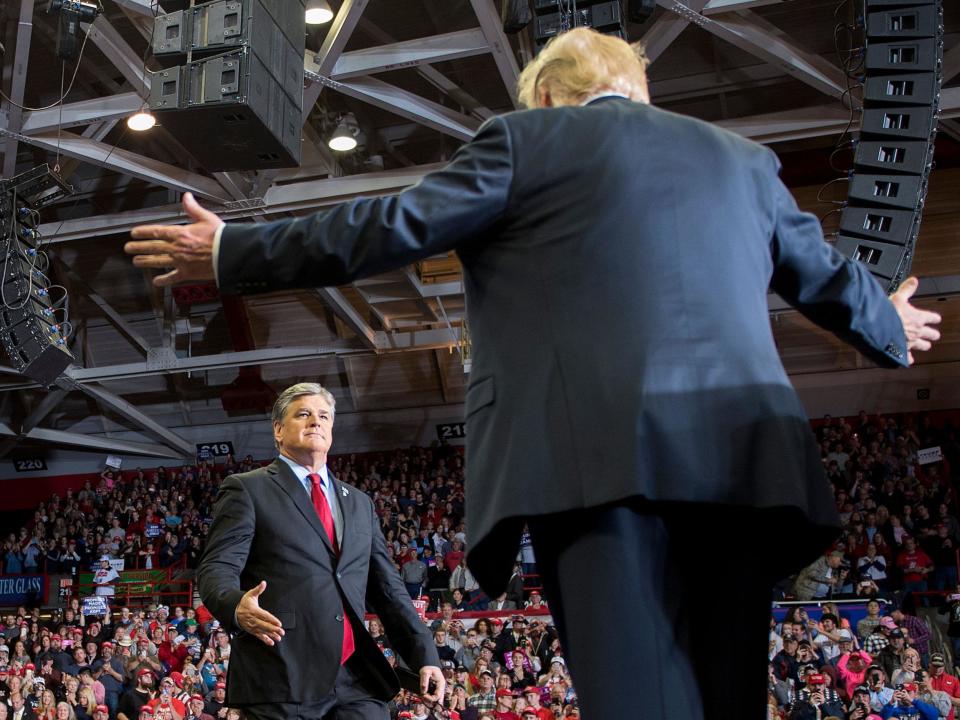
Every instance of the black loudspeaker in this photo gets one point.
(242, 82)
(234, 99)
(894, 154)
(552, 18)
(901, 89)
(639, 11)
(516, 15)
(28, 331)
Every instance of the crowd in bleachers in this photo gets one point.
(897, 554)
(900, 539)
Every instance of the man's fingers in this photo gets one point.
(148, 247)
(257, 590)
(927, 317)
(265, 639)
(929, 333)
(159, 232)
(268, 622)
(919, 344)
(155, 262)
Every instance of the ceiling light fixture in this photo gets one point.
(344, 138)
(318, 12)
(142, 120)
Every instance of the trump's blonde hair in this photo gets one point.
(583, 62)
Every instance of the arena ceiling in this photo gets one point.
(420, 76)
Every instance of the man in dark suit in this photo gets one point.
(310, 550)
(626, 398)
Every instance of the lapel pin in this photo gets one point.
(344, 491)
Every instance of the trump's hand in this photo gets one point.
(255, 620)
(428, 674)
(917, 324)
(185, 250)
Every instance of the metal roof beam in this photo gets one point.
(751, 33)
(84, 112)
(720, 6)
(410, 53)
(666, 29)
(951, 64)
(326, 59)
(115, 318)
(44, 407)
(387, 342)
(125, 162)
(18, 85)
(147, 8)
(348, 314)
(128, 63)
(405, 104)
(815, 121)
(434, 77)
(492, 26)
(150, 426)
(96, 443)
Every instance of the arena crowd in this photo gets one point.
(503, 661)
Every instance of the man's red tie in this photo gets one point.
(322, 507)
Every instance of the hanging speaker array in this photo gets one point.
(902, 60)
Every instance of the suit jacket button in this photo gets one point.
(339, 575)
(339, 618)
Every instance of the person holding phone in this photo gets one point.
(905, 704)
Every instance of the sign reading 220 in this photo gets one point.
(29, 464)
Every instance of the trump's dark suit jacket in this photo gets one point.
(265, 528)
(616, 259)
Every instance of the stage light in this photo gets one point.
(318, 12)
(344, 138)
(142, 120)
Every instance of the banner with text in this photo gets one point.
(21, 590)
(929, 455)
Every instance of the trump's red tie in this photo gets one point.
(322, 507)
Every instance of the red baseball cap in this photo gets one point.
(145, 671)
(177, 678)
(29, 666)
(503, 692)
(220, 686)
(55, 637)
(101, 708)
(196, 697)
(107, 644)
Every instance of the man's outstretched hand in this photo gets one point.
(255, 620)
(186, 251)
(917, 324)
